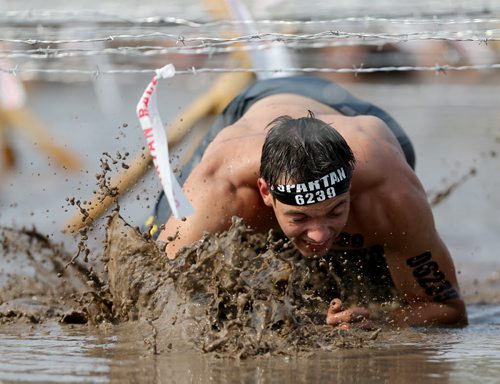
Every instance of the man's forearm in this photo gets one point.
(451, 312)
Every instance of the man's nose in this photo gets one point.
(319, 233)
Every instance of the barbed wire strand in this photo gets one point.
(147, 51)
(479, 36)
(53, 16)
(193, 71)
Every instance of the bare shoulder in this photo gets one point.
(377, 152)
(222, 185)
(394, 203)
(385, 189)
(233, 156)
(369, 133)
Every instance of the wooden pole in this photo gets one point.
(21, 118)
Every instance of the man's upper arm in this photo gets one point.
(215, 199)
(210, 197)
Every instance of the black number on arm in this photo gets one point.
(430, 278)
(415, 261)
(426, 269)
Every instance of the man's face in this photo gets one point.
(312, 228)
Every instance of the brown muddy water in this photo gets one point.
(122, 313)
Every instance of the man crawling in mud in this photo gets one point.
(333, 173)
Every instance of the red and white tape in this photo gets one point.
(156, 138)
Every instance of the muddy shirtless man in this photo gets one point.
(302, 155)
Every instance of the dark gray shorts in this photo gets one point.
(315, 88)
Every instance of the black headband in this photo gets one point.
(314, 191)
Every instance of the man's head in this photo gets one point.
(305, 173)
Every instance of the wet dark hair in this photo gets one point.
(303, 149)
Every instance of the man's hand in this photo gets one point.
(338, 315)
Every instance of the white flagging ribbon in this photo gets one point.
(12, 93)
(152, 126)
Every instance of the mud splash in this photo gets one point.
(238, 293)
(46, 283)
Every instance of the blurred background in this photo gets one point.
(71, 74)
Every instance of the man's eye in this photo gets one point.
(336, 212)
(298, 219)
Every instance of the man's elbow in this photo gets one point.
(454, 313)
(450, 313)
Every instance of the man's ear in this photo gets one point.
(265, 193)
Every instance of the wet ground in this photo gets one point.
(57, 353)
(453, 122)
